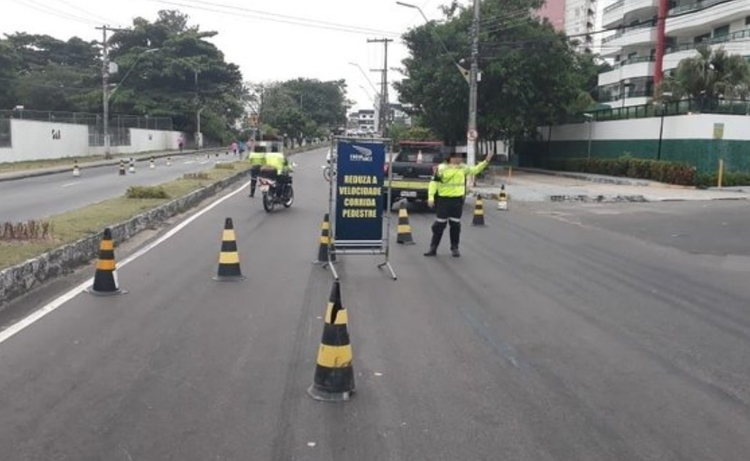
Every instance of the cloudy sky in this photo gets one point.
(268, 39)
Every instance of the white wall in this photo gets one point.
(34, 140)
(696, 126)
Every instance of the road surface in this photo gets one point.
(43, 196)
(549, 339)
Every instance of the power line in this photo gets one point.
(88, 13)
(56, 13)
(274, 17)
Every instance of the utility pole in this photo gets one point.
(105, 87)
(384, 106)
(198, 110)
(471, 135)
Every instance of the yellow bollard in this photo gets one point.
(721, 172)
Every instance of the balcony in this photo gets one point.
(642, 34)
(613, 14)
(638, 67)
(735, 43)
(635, 7)
(683, 20)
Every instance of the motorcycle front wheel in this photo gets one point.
(290, 197)
(268, 202)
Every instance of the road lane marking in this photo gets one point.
(71, 184)
(189, 162)
(64, 298)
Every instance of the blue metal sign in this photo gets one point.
(359, 192)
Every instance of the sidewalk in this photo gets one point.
(34, 172)
(536, 186)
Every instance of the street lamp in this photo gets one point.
(472, 79)
(108, 95)
(661, 125)
(589, 119)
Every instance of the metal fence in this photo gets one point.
(683, 107)
(119, 125)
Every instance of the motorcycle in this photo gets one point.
(271, 197)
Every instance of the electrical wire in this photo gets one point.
(275, 17)
(56, 13)
(88, 13)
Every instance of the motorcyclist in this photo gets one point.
(257, 160)
(277, 167)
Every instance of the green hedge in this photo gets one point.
(729, 180)
(629, 167)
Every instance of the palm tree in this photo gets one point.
(709, 76)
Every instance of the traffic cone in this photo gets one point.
(478, 219)
(132, 166)
(325, 239)
(169, 161)
(404, 228)
(229, 258)
(122, 168)
(76, 170)
(502, 200)
(152, 166)
(334, 374)
(105, 278)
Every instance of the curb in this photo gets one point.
(83, 166)
(17, 280)
(603, 180)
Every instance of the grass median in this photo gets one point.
(76, 224)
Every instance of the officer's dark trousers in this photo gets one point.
(254, 172)
(449, 211)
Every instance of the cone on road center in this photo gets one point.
(325, 239)
(76, 170)
(169, 161)
(105, 278)
(132, 165)
(478, 219)
(121, 171)
(152, 166)
(502, 199)
(229, 258)
(404, 228)
(334, 374)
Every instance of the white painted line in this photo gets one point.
(56, 303)
(204, 162)
(71, 184)
(189, 162)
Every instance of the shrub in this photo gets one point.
(728, 180)
(157, 192)
(29, 230)
(627, 166)
(224, 166)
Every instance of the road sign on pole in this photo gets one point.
(471, 135)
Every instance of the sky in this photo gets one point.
(270, 40)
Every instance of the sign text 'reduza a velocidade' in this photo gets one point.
(359, 194)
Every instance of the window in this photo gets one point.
(701, 38)
(722, 31)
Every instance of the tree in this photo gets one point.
(302, 108)
(530, 74)
(709, 76)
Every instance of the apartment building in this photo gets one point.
(577, 18)
(633, 46)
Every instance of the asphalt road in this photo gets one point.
(43, 196)
(548, 340)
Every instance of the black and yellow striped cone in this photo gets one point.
(334, 374)
(478, 219)
(325, 239)
(502, 199)
(121, 171)
(76, 170)
(404, 228)
(153, 165)
(229, 258)
(105, 278)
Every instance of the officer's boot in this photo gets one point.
(437, 234)
(455, 234)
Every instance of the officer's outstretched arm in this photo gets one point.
(475, 170)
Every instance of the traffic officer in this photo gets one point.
(280, 166)
(449, 182)
(257, 160)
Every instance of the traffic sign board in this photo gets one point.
(471, 135)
